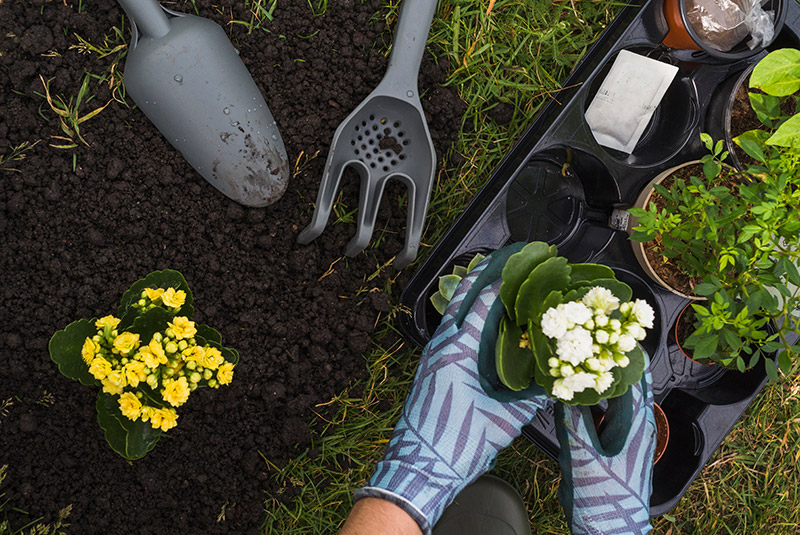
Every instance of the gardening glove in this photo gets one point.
(450, 430)
(607, 479)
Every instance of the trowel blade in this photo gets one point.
(193, 86)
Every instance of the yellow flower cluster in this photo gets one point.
(170, 366)
(169, 298)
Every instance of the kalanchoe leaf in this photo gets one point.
(460, 271)
(552, 274)
(621, 290)
(150, 322)
(65, 350)
(168, 278)
(130, 439)
(208, 333)
(590, 272)
(630, 374)
(515, 364)
(518, 268)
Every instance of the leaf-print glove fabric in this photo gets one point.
(607, 479)
(450, 431)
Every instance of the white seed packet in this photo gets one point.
(626, 100)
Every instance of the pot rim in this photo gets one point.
(638, 248)
(780, 17)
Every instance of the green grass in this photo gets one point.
(518, 53)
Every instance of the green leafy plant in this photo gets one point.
(148, 359)
(737, 231)
(449, 283)
(570, 327)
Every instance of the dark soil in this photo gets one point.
(73, 241)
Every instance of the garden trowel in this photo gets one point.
(185, 75)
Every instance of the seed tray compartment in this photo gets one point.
(558, 185)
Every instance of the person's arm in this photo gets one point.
(450, 429)
(374, 516)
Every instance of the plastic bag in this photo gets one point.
(723, 24)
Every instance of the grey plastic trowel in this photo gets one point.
(185, 75)
(386, 138)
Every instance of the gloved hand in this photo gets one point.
(607, 480)
(450, 430)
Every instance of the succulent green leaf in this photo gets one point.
(778, 73)
(516, 271)
(621, 290)
(153, 321)
(629, 375)
(590, 272)
(515, 364)
(475, 261)
(448, 285)
(551, 275)
(460, 271)
(130, 439)
(208, 333)
(439, 302)
(65, 350)
(157, 279)
(787, 134)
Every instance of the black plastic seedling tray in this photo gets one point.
(558, 185)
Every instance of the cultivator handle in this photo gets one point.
(150, 18)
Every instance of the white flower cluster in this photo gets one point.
(589, 343)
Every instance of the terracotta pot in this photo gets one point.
(638, 248)
(662, 431)
(682, 35)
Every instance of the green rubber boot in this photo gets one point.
(490, 506)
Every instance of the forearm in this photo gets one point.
(374, 516)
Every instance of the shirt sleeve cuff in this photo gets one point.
(405, 505)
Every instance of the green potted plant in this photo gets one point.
(147, 360)
(736, 231)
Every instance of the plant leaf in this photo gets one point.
(778, 73)
(448, 285)
(517, 269)
(157, 279)
(130, 439)
(439, 302)
(550, 275)
(752, 142)
(515, 364)
(65, 350)
(153, 321)
(787, 134)
(208, 333)
(590, 272)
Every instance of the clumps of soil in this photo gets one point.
(79, 226)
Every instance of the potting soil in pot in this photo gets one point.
(74, 240)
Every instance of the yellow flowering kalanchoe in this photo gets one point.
(171, 364)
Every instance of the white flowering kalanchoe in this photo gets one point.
(589, 343)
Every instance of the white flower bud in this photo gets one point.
(555, 372)
(553, 362)
(593, 364)
(567, 370)
(615, 325)
(589, 325)
(601, 320)
(601, 337)
(625, 308)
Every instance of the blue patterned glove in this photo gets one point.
(450, 430)
(607, 480)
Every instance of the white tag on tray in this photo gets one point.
(626, 100)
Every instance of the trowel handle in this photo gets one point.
(410, 37)
(150, 18)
